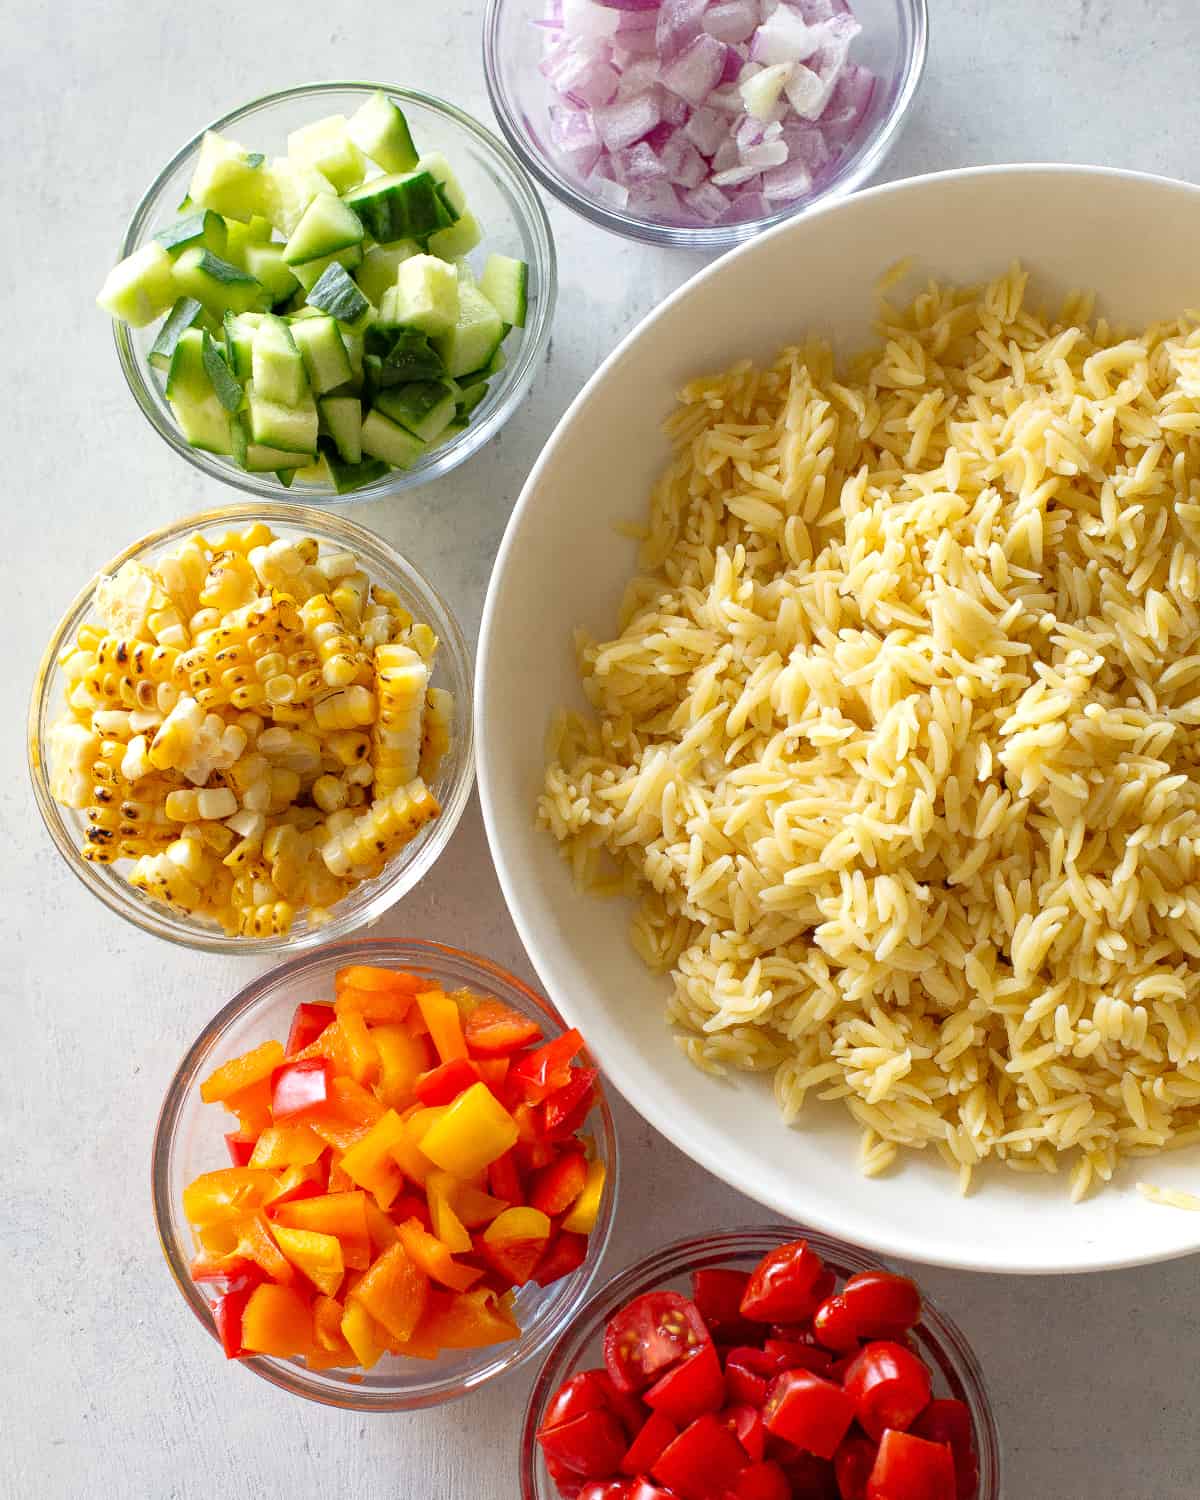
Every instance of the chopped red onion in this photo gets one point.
(675, 110)
(788, 182)
(574, 136)
(735, 175)
(637, 165)
(706, 130)
(585, 18)
(633, 5)
(708, 203)
(627, 121)
(785, 38)
(749, 204)
(608, 192)
(766, 155)
(684, 165)
(697, 70)
(731, 20)
(678, 24)
(655, 200)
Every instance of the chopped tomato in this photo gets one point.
(762, 1481)
(307, 1025)
(810, 1476)
(781, 1285)
(889, 1386)
(690, 1388)
(494, 1029)
(748, 1375)
(585, 1392)
(646, 1489)
(852, 1465)
(812, 1413)
(747, 1425)
(911, 1468)
(605, 1489)
(949, 1422)
(655, 1435)
(703, 1462)
(718, 1293)
(541, 1073)
(591, 1444)
(650, 1334)
(834, 1325)
(792, 1354)
(881, 1304)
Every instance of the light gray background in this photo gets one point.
(108, 1387)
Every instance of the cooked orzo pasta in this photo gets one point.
(896, 744)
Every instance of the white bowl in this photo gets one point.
(1131, 238)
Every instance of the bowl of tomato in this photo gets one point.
(760, 1364)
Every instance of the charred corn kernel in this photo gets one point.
(216, 803)
(435, 741)
(343, 660)
(369, 841)
(271, 919)
(135, 763)
(229, 583)
(346, 708)
(350, 746)
(362, 774)
(350, 597)
(422, 640)
(181, 806)
(285, 788)
(73, 751)
(329, 793)
(339, 564)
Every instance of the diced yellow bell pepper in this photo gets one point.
(439, 1191)
(370, 1162)
(408, 1156)
(362, 1333)
(473, 1206)
(581, 1219)
(286, 1146)
(403, 1057)
(515, 1225)
(474, 1131)
(319, 1256)
(445, 1024)
(240, 1072)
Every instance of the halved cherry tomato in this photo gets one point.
(781, 1285)
(566, 1481)
(309, 1021)
(881, 1304)
(554, 1188)
(494, 1029)
(568, 1107)
(746, 1424)
(748, 1375)
(605, 1489)
(948, 1421)
(718, 1293)
(444, 1083)
(564, 1255)
(703, 1462)
(300, 1086)
(591, 1444)
(810, 1477)
(763, 1481)
(911, 1468)
(646, 1489)
(587, 1391)
(834, 1325)
(539, 1074)
(852, 1465)
(808, 1411)
(655, 1435)
(650, 1334)
(689, 1389)
(889, 1387)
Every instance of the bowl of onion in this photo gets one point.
(698, 123)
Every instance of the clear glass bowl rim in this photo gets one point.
(943, 1336)
(289, 1376)
(161, 922)
(872, 151)
(442, 460)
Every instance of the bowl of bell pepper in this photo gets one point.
(385, 1173)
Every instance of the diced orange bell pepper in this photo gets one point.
(296, 1182)
(469, 1320)
(403, 1057)
(362, 1333)
(238, 1240)
(370, 1161)
(431, 1256)
(240, 1072)
(494, 1029)
(319, 1256)
(327, 1326)
(445, 1024)
(346, 1115)
(493, 1071)
(277, 1320)
(381, 1229)
(383, 981)
(226, 1194)
(286, 1146)
(394, 1291)
(339, 1181)
(420, 1346)
(514, 1242)
(348, 1047)
(475, 1130)
(439, 1191)
(343, 1215)
(474, 1207)
(252, 1106)
(378, 1007)
(586, 1208)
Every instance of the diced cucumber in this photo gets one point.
(260, 458)
(422, 407)
(383, 438)
(228, 179)
(341, 418)
(239, 237)
(220, 286)
(394, 355)
(202, 228)
(292, 428)
(284, 476)
(475, 337)
(326, 226)
(202, 419)
(402, 206)
(276, 366)
(425, 295)
(440, 170)
(141, 287)
(316, 472)
(327, 146)
(379, 128)
(323, 351)
(312, 270)
(347, 477)
(239, 342)
(336, 294)
(470, 397)
(228, 390)
(268, 267)
(505, 283)
(379, 266)
(355, 348)
(186, 314)
(291, 187)
(457, 240)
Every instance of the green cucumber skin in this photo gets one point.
(336, 294)
(186, 313)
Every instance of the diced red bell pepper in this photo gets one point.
(568, 1107)
(514, 1242)
(443, 1084)
(240, 1147)
(539, 1074)
(494, 1029)
(812, 1413)
(746, 1424)
(309, 1021)
(300, 1086)
(656, 1434)
(703, 1462)
(564, 1255)
(591, 1445)
(504, 1178)
(557, 1186)
(694, 1386)
(227, 1313)
(911, 1468)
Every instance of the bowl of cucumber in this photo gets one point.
(341, 289)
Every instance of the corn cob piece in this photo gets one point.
(401, 679)
(363, 848)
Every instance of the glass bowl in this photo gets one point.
(189, 1140)
(451, 786)
(893, 45)
(951, 1362)
(514, 223)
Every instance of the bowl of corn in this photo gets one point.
(252, 729)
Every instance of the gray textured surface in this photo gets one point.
(108, 1387)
